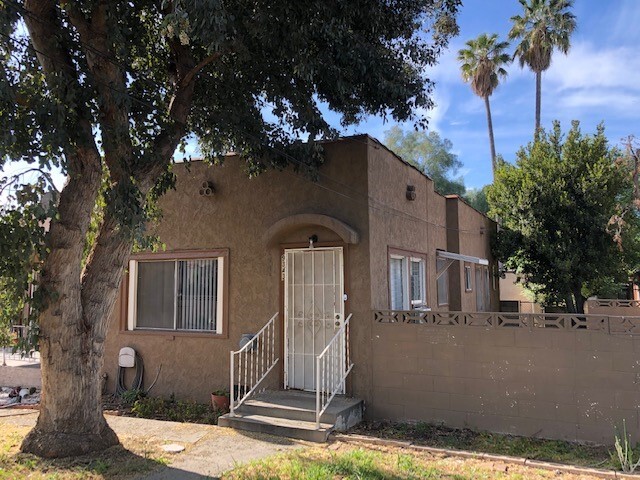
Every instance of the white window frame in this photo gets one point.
(407, 260)
(468, 279)
(132, 313)
(443, 275)
(420, 302)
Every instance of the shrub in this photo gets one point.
(625, 454)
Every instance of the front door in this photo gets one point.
(313, 310)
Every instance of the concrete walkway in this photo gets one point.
(209, 450)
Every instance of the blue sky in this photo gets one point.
(599, 80)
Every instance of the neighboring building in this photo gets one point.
(370, 234)
(513, 297)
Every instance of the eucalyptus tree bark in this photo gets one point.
(492, 144)
(538, 102)
(74, 322)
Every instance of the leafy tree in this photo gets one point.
(116, 87)
(477, 198)
(431, 154)
(544, 26)
(483, 63)
(556, 204)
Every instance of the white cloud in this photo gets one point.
(586, 66)
(591, 78)
(438, 113)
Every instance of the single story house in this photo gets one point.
(370, 234)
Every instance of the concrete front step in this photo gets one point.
(342, 413)
(282, 427)
(292, 413)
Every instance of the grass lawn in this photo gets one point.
(343, 461)
(464, 439)
(133, 458)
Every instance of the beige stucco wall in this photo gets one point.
(361, 184)
(550, 383)
(512, 290)
(396, 222)
(236, 218)
(468, 233)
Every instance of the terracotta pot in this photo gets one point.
(220, 402)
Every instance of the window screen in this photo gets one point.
(156, 294)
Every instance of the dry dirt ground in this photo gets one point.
(210, 451)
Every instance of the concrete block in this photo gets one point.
(479, 353)
(448, 384)
(626, 361)
(606, 380)
(503, 338)
(421, 398)
(627, 400)
(541, 338)
(417, 382)
(554, 393)
(385, 411)
(433, 368)
(448, 352)
(464, 369)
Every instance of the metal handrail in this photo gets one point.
(327, 384)
(255, 360)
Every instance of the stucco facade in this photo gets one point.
(359, 203)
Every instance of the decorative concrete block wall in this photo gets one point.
(551, 376)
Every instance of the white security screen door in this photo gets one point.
(314, 310)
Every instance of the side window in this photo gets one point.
(468, 279)
(443, 281)
(176, 294)
(407, 280)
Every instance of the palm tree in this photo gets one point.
(483, 63)
(544, 26)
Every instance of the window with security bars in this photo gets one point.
(181, 295)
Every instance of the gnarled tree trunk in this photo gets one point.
(75, 320)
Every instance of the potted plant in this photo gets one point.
(220, 400)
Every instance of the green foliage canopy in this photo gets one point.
(477, 198)
(128, 82)
(556, 206)
(431, 154)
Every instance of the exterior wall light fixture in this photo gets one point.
(206, 189)
(411, 193)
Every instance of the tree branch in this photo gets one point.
(114, 112)
(195, 70)
(43, 24)
(166, 143)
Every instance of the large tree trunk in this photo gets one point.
(74, 323)
(538, 101)
(492, 144)
(70, 420)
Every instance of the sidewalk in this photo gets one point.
(209, 450)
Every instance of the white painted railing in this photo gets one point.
(332, 368)
(251, 364)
